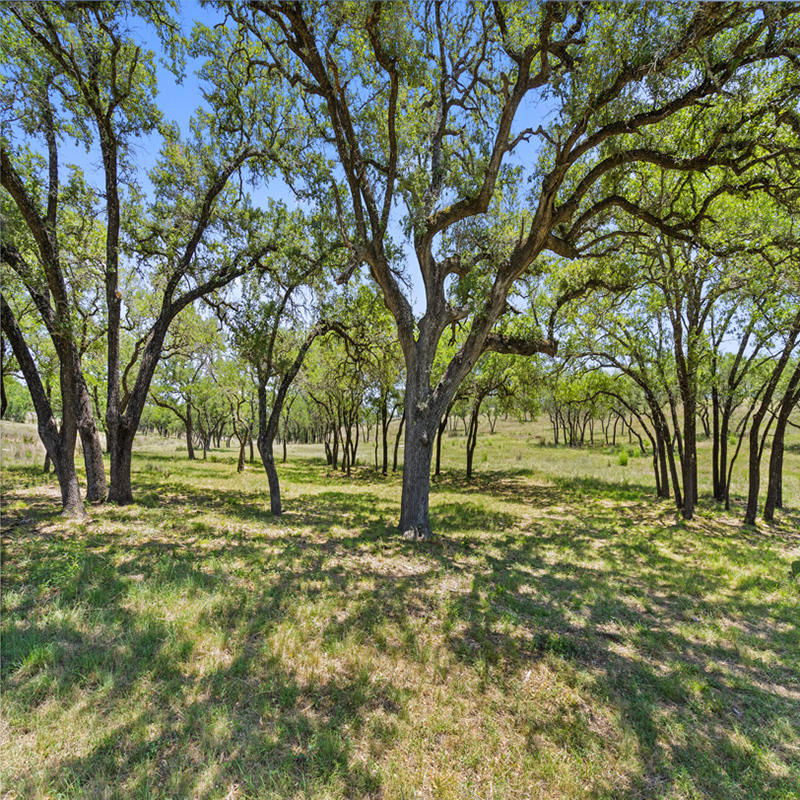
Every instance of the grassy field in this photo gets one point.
(564, 635)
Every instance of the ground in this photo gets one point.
(564, 635)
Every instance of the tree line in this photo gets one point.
(611, 187)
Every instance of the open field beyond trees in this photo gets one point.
(564, 635)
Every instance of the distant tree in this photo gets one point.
(490, 377)
(193, 344)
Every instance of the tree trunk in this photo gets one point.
(377, 436)
(414, 514)
(121, 454)
(472, 435)
(384, 431)
(397, 440)
(335, 448)
(267, 428)
(754, 466)
(439, 432)
(422, 418)
(689, 461)
(716, 449)
(96, 486)
(774, 497)
(59, 444)
(790, 399)
(189, 431)
(242, 446)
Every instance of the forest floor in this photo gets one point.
(564, 635)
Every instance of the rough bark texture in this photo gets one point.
(59, 444)
(90, 441)
(414, 516)
(120, 456)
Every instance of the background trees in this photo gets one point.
(369, 78)
(505, 173)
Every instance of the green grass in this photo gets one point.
(564, 636)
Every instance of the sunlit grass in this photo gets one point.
(563, 636)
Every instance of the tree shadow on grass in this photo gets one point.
(635, 621)
(700, 668)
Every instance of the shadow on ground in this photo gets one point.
(671, 629)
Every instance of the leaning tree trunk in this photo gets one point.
(268, 428)
(472, 436)
(242, 446)
(754, 465)
(439, 434)
(59, 445)
(790, 399)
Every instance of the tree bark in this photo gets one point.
(120, 455)
(790, 400)
(397, 440)
(754, 462)
(189, 430)
(420, 430)
(59, 444)
(96, 486)
(267, 428)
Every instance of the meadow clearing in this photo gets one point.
(564, 635)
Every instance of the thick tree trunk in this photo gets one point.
(422, 418)
(120, 491)
(414, 515)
